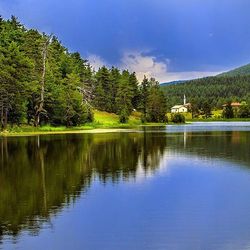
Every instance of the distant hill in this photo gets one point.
(172, 83)
(212, 90)
(240, 71)
(243, 70)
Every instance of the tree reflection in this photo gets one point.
(227, 145)
(40, 175)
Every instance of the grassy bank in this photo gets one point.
(219, 120)
(103, 122)
(216, 117)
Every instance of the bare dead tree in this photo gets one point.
(87, 92)
(39, 108)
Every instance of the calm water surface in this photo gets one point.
(180, 187)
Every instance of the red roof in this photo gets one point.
(233, 104)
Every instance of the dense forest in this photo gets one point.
(243, 70)
(210, 91)
(42, 82)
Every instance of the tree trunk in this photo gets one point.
(2, 118)
(41, 103)
(5, 119)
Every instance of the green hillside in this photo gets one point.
(243, 70)
(212, 91)
(233, 85)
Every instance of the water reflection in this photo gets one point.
(210, 126)
(226, 145)
(40, 176)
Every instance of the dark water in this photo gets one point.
(153, 189)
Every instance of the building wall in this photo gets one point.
(180, 110)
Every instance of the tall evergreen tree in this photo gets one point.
(124, 97)
(228, 111)
(103, 96)
(156, 104)
(134, 85)
(115, 76)
(144, 91)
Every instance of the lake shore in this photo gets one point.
(100, 128)
(49, 130)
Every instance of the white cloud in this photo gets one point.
(146, 65)
(96, 61)
(151, 67)
(143, 65)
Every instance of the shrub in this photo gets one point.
(178, 118)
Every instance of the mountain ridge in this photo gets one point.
(239, 71)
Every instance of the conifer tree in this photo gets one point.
(124, 97)
(143, 91)
(103, 97)
(156, 104)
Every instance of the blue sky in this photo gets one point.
(166, 39)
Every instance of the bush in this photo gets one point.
(178, 118)
(244, 111)
(123, 116)
(228, 111)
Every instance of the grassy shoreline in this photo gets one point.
(95, 128)
(104, 123)
(220, 120)
(49, 130)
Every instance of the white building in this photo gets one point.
(181, 108)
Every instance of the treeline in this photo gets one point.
(209, 93)
(41, 82)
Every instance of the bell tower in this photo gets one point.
(184, 100)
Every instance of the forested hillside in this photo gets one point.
(41, 82)
(244, 70)
(212, 91)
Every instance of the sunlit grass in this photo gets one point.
(102, 118)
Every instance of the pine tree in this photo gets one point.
(124, 97)
(134, 85)
(115, 76)
(143, 96)
(228, 111)
(103, 96)
(14, 72)
(156, 104)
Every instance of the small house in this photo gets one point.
(181, 108)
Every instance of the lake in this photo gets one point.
(175, 187)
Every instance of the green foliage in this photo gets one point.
(178, 118)
(228, 111)
(124, 97)
(244, 70)
(144, 90)
(42, 83)
(156, 105)
(152, 102)
(244, 111)
(206, 109)
(213, 90)
(68, 79)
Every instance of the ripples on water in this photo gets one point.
(180, 187)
